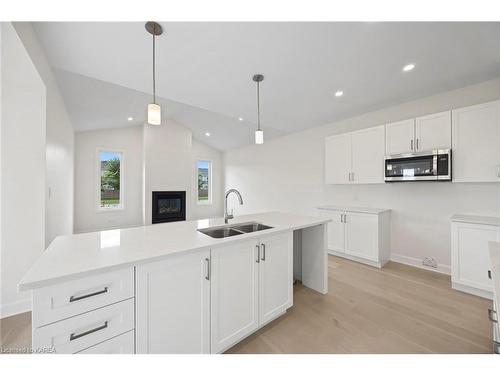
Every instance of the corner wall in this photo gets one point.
(287, 174)
(22, 169)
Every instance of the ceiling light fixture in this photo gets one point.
(207, 134)
(259, 134)
(339, 93)
(240, 118)
(130, 118)
(408, 67)
(154, 109)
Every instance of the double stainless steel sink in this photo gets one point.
(234, 230)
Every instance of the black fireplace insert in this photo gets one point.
(168, 206)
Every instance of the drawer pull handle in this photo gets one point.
(263, 252)
(489, 274)
(258, 253)
(74, 299)
(75, 336)
(492, 313)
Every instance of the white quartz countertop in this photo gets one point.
(78, 255)
(366, 210)
(495, 267)
(477, 219)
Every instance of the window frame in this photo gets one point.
(209, 201)
(97, 180)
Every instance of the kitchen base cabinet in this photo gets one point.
(359, 234)
(173, 305)
(470, 259)
(234, 293)
(275, 276)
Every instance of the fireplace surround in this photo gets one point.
(168, 206)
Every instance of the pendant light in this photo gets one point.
(154, 109)
(259, 134)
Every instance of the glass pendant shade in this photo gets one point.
(259, 137)
(154, 114)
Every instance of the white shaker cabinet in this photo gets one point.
(275, 276)
(336, 229)
(356, 157)
(173, 305)
(360, 234)
(368, 148)
(470, 258)
(234, 293)
(400, 137)
(338, 159)
(476, 143)
(433, 131)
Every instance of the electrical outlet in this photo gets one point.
(429, 262)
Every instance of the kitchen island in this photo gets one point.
(168, 288)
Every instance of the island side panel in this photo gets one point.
(315, 258)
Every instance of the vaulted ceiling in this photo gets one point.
(204, 71)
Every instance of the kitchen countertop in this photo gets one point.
(365, 210)
(477, 219)
(78, 255)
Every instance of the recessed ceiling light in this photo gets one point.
(207, 134)
(408, 67)
(339, 93)
(240, 118)
(130, 118)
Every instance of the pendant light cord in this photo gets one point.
(258, 106)
(154, 65)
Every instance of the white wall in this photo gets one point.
(59, 143)
(128, 140)
(202, 211)
(287, 174)
(22, 170)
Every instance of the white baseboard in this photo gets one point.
(416, 262)
(14, 308)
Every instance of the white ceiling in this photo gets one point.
(205, 69)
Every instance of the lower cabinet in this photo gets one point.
(470, 258)
(251, 284)
(234, 293)
(207, 301)
(173, 305)
(360, 236)
(122, 344)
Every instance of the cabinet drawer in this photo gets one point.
(61, 301)
(83, 331)
(123, 344)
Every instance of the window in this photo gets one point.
(110, 180)
(204, 176)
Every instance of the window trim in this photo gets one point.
(208, 202)
(97, 180)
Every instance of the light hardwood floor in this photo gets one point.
(398, 309)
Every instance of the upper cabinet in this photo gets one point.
(420, 134)
(399, 137)
(356, 157)
(476, 143)
(433, 131)
(338, 159)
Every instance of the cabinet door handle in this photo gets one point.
(411, 144)
(345, 218)
(258, 253)
(492, 316)
(352, 176)
(417, 143)
(207, 276)
(498, 170)
(489, 274)
(341, 218)
(349, 176)
(74, 299)
(75, 336)
(263, 252)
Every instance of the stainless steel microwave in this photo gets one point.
(434, 165)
